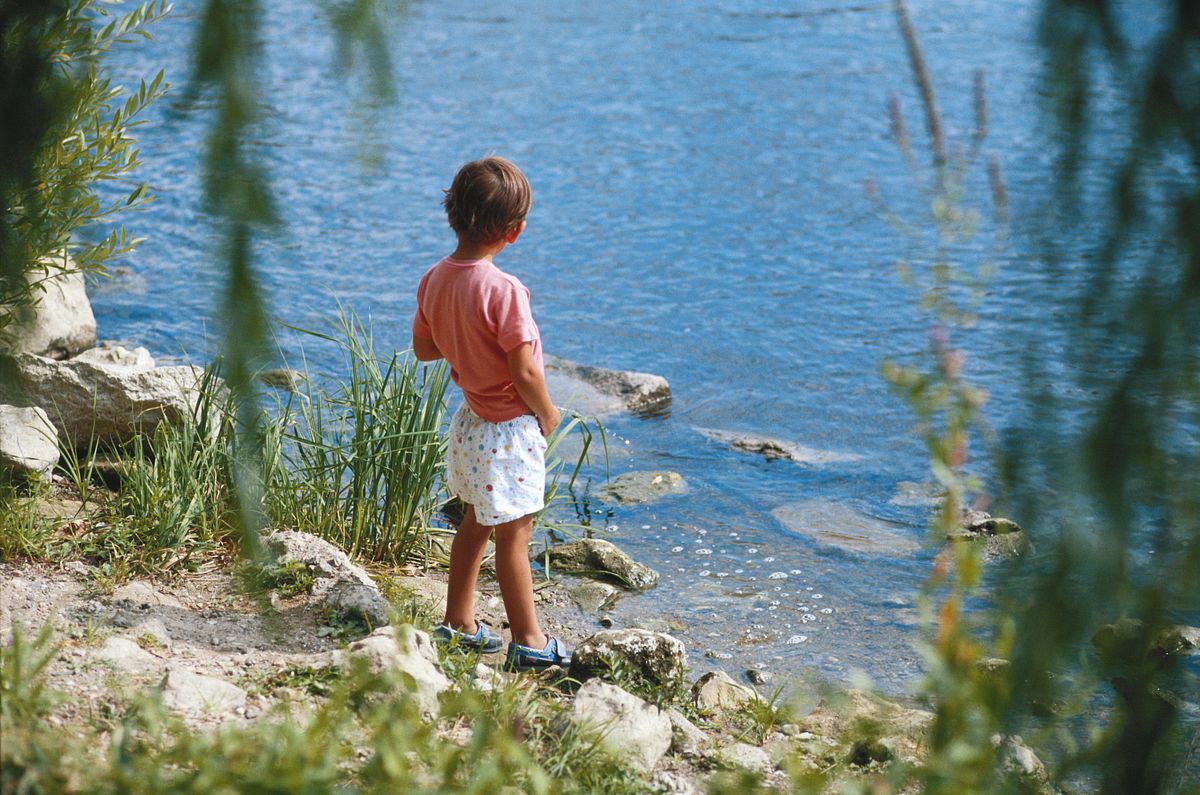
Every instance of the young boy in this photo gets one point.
(477, 317)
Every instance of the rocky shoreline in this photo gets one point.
(234, 642)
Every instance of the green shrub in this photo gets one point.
(68, 140)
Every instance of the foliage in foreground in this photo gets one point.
(67, 139)
(1111, 501)
(366, 736)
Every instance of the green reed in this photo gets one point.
(359, 462)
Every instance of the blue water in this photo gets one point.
(699, 212)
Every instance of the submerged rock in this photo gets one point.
(61, 324)
(283, 378)
(1122, 639)
(778, 449)
(838, 525)
(595, 557)
(920, 495)
(1002, 537)
(637, 487)
(108, 395)
(632, 730)
(597, 391)
(28, 441)
(591, 595)
(653, 657)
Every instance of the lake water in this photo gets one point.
(699, 212)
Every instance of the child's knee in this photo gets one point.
(515, 533)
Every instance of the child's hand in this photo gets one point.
(549, 422)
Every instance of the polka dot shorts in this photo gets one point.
(498, 467)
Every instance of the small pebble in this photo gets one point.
(796, 639)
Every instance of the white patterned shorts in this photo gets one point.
(498, 467)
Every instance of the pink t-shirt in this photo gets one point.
(476, 313)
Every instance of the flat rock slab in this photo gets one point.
(637, 487)
(599, 392)
(838, 525)
(123, 654)
(778, 449)
(139, 593)
(184, 691)
(744, 756)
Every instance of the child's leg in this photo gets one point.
(466, 556)
(516, 581)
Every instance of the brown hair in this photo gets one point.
(487, 200)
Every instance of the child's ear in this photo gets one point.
(512, 236)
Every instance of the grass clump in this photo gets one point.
(359, 463)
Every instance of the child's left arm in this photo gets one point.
(425, 350)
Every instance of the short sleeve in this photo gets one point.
(420, 326)
(514, 319)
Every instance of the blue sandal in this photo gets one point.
(482, 640)
(526, 658)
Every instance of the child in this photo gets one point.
(477, 317)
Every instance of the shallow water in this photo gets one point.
(699, 212)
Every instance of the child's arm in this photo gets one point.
(530, 382)
(425, 349)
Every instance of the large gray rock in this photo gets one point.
(597, 391)
(653, 657)
(61, 324)
(184, 691)
(106, 394)
(637, 487)
(595, 557)
(778, 449)
(838, 525)
(28, 441)
(632, 730)
(327, 563)
(407, 650)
